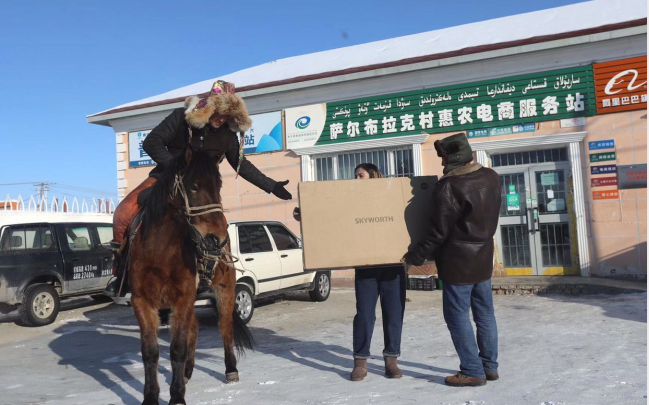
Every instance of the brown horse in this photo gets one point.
(183, 228)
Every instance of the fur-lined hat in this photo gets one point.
(455, 148)
(221, 100)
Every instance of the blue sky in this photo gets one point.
(65, 59)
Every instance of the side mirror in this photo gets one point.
(299, 242)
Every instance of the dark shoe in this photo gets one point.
(360, 370)
(111, 287)
(461, 380)
(391, 368)
(492, 375)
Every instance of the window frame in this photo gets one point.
(91, 239)
(391, 162)
(8, 230)
(280, 225)
(270, 239)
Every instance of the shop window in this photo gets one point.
(395, 162)
(529, 157)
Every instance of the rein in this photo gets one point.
(208, 249)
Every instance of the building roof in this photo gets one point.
(539, 26)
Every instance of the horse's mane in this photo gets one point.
(200, 165)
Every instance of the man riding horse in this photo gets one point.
(201, 124)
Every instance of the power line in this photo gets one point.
(20, 184)
(84, 189)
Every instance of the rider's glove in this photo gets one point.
(281, 192)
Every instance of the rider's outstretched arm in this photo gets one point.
(247, 170)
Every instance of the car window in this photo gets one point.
(15, 239)
(44, 239)
(28, 238)
(78, 238)
(254, 239)
(284, 240)
(105, 235)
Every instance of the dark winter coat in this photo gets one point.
(466, 206)
(170, 137)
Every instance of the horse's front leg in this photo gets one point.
(181, 329)
(147, 317)
(224, 285)
(192, 340)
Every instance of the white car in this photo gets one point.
(271, 257)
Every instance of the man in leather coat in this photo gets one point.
(466, 207)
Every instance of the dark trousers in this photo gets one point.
(388, 283)
(475, 357)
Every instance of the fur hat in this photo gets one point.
(455, 148)
(221, 100)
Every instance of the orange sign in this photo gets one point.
(621, 85)
(606, 195)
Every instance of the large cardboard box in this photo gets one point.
(354, 223)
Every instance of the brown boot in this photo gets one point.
(462, 380)
(492, 375)
(360, 370)
(391, 368)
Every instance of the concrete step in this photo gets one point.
(566, 285)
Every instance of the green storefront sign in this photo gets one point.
(554, 95)
(602, 157)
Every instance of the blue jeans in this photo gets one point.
(458, 299)
(389, 283)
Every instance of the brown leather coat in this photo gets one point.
(466, 204)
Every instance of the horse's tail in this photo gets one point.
(243, 339)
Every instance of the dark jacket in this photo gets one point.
(466, 206)
(170, 137)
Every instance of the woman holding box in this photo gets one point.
(388, 283)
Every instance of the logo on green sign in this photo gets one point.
(602, 157)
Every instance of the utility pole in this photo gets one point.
(42, 193)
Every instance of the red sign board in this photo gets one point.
(603, 181)
(606, 195)
(621, 85)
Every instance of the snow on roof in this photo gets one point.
(550, 22)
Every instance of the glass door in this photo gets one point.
(533, 234)
(513, 235)
(552, 221)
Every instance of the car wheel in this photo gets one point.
(244, 303)
(40, 305)
(321, 287)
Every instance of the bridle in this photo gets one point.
(208, 248)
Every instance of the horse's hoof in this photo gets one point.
(231, 377)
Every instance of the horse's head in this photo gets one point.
(190, 186)
(197, 195)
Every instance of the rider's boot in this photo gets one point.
(115, 283)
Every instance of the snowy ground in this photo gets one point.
(553, 350)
